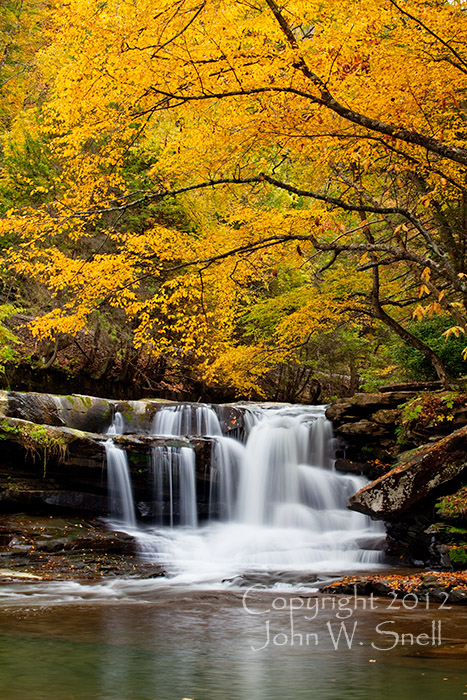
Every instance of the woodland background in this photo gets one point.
(232, 199)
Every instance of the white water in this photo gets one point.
(186, 419)
(174, 473)
(227, 457)
(122, 509)
(279, 503)
(117, 426)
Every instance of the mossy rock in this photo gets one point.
(449, 534)
(453, 508)
(458, 557)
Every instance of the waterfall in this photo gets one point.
(227, 456)
(174, 485)
(275, 503)
(186, 419)
(122, 509)
(117, 427)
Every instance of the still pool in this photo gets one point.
(149, 641)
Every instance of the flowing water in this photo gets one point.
(174, 474)
(240, 615)
(130, 640)
(275, 503)
(122, 509)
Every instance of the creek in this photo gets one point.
(239, 614)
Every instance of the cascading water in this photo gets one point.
(117, 427)
(227, 456)
(122, 510)
(174, 475)
(186, 419)
(275, 504)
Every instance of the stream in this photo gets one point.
(239, 614)
(150, 641)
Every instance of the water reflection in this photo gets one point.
(199, 645)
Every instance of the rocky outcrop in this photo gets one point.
(372, 429)
(365, 405)
(53, 455)
(365, 425)
(46, 468)
(93, 414)
(418, 475)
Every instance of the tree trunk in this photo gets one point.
(443, 375)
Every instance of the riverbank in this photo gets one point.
(443, 587)
(50, 548)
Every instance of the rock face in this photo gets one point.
(53, 457)
(93, 414)
(418, 475)
(49, 468)
(365, 425)
(365, 405)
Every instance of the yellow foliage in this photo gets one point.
(344, 100)
(454, 330)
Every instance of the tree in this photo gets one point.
(325, 140)
(20, 38)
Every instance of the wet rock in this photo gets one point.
(33, 407)
(94, 414)
(458, 596)
(59, 547)
(366, 404)
(349, 467)
(369, 430)
(416, 476)
(44, 467)
(39, 500)
(435, 587)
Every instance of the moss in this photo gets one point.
(458, 557)
(36, 440)
(449, 534)
(128, 415)
(137, 459)
(453, 507)
(86, 401)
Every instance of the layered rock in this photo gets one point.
(46, 468)
(93, 414)
(418, 475)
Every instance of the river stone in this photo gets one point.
(458, 595)
(418, 473)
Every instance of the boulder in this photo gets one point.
(418, 475)
(345, 410)
(369, 430)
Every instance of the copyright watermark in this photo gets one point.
(341, 629)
